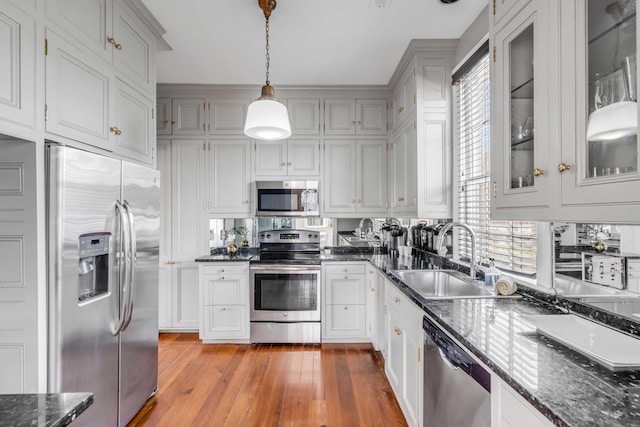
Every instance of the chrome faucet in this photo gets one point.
(440, 244)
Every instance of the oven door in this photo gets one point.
(285, 293)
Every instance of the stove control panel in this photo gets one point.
(289, 236)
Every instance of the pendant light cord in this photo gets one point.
(267, 56)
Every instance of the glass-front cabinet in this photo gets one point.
(600, 156)
(520, 111)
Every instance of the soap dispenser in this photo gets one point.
(492, 274)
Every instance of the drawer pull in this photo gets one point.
(346, 277)
(396, 299)
(398, 330)
(346, 308)
(345, 269)
(221, 277)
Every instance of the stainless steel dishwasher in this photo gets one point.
(457, 390)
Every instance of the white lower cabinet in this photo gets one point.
(345, 304)
(225, 302)
(510, 410)
(403, 362)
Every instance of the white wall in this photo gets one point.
(478, 31)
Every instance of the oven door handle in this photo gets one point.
(285, 268)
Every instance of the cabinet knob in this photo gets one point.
(168, 262)
(398, 330)
(118, 46)
(289, 164)
(353, 122)
(224, 308)
(222, 271)
(538, 172)
(221, 277)
(345, 269)
(359, 122)
(115, 130)
(396, 299)
(563, 167)
(111, 40)
(400, 110)
(346, 277)
(283, 164)
(401, 199)
(353, 200)
(173, 122)
(346, 308)
(166, 122)
(359, 200)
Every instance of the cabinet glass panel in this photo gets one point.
(521, 109)
(612, 145)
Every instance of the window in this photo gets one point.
(511, 243)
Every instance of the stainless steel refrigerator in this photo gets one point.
(103, 230)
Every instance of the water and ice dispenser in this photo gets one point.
(93, 266)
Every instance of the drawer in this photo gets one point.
(214, 268)
(394, 297)
(332, 268)
(225, 321)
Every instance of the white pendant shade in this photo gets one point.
(267, 119)
(613, 121)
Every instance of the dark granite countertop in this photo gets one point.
(221, 255)
(50, 410)
(568, 388)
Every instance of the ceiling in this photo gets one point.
(319, 42)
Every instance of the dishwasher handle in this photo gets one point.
(450, 363)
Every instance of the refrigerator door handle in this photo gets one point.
(131, 272)
(124, 266)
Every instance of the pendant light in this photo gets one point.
(267, 118)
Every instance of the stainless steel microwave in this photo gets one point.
(287, 198)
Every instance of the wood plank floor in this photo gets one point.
(269, 385)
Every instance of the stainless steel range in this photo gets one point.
(285, 287)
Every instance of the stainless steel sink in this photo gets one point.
(441, 284)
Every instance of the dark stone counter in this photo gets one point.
(221, 255)
(568, 388)
(50, 410)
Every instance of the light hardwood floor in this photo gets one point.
(269, 385)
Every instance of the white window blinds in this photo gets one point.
(511, 243)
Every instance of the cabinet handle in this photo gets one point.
(346, 308)
(115, 130)
(538, 172)
(563, 167)
(398, 330)
(173, 122)
(400, 110)
(166, 122)
(222, 271)
(401, 199)
(359, 200)
(353, 122)
(396, 299)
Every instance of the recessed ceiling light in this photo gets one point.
(379, 4)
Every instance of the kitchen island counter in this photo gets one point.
(42, 410)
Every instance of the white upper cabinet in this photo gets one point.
(420, 156)
(285, 158)
(229, 178)
(227, 116)
(77, 94)
(355, 176)
(110, 30)
(501, 9)
(546, 165)
(133, 53)
(163, 116)
(188, 116)
(304, 116)
(521, 138)
(355, 116)
(88, 21)
(17, 71)
(133, 113)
